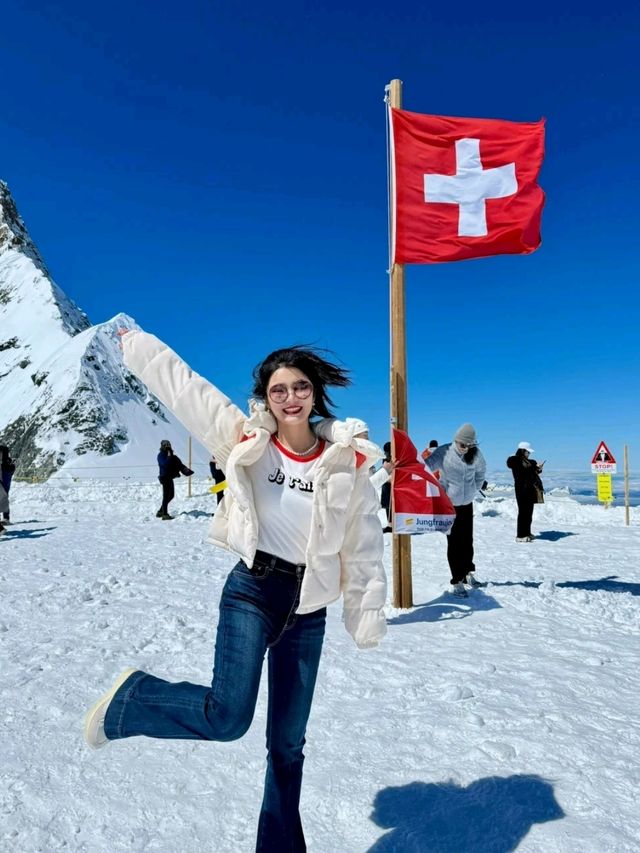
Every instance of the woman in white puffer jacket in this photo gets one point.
(301, 515)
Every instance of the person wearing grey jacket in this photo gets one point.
(462, 468)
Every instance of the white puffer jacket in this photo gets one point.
(344, 552)
(460, 480)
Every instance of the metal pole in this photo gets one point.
(189, 465)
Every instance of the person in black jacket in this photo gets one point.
(170, 466)
(218, 476)
(7, 470)
(526, 476)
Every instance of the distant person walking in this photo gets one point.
(4, 506)
(218, 477)
(170, 466)
(528, 485)
(462, 467)
(7, 470)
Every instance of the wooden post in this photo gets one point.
(626, 485)
(189, 466)
(401, 546)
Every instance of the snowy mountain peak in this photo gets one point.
(13, 234)
(24, 278)
(65, 395)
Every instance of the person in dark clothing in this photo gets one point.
(463, 467)
(4, 506)
(218, 476)
(7, 470)
(170, 466)
(529, 491)
(385, 490)
(426, 453)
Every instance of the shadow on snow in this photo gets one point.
(446, 606)
(491, 815)
(38, 533)
(196, 513)
(608, 584)
(554, 535)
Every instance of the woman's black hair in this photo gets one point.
(311, 361)
(471, 454)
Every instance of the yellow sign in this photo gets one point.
(605, 491)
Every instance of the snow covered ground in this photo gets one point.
(506, 721)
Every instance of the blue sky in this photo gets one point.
(218, 171)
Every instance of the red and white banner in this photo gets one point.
(420, 504)
(464, 188)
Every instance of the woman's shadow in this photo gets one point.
(491, 815)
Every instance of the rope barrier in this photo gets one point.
(69, 475)
(110, 467)
(95, 481)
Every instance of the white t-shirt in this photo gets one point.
(283, 494)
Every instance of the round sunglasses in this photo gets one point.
(301, 389)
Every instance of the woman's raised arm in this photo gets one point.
(205, 411)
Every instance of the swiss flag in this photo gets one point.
(420, 503)
(464, 187)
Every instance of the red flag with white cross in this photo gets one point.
(464, 188)
(420, 503)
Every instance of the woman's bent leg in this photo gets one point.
(293, 667)
(146, 705)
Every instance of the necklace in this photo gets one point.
(300, 452)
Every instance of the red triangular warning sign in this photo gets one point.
(603, 454)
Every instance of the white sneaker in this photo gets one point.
(94, 721)
(471, 580)
(459, 590)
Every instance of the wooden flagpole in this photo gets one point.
(626, 485)
(402, 581)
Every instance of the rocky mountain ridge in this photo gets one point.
(66, 399)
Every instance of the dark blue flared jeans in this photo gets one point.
(257, 614)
